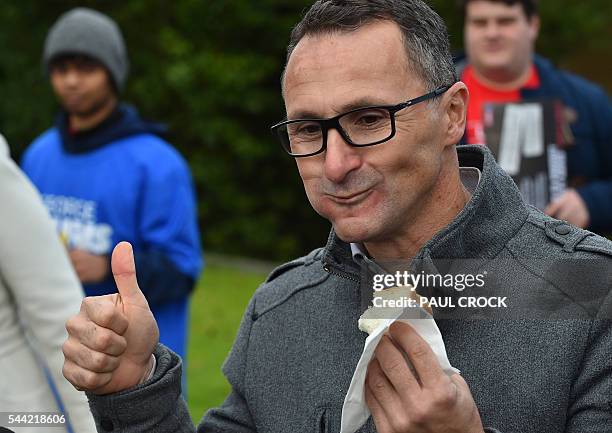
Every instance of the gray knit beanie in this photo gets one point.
(91, 33)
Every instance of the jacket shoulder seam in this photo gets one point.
(290, 294)
(306, 260)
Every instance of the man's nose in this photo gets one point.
(492, 29)
(71, 77)
(340, 157)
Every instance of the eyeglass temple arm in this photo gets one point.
(430, 95)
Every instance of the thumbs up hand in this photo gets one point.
(112, 338)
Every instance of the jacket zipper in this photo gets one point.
(330, 270)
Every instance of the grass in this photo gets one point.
(217, 306)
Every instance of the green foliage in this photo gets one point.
(210, 70)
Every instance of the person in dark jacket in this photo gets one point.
(374, 114)
(501, 66)
(107, 175)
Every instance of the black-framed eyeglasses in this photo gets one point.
(360, 127)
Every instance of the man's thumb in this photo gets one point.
(124, 271)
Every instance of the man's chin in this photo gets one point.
(352, 230)
(75, 110)
(79, 109)
(497, 64)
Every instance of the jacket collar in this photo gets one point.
(488, 221)
(549, 85)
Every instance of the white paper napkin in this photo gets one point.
(355, 412)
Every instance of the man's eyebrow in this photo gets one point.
(365, 102)
(353, 105)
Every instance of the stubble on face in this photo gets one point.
(368, 193)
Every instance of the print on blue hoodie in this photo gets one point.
(120, 181)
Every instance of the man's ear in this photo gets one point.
(534, 27)
(454, 105)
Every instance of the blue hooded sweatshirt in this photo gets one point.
(120, 181)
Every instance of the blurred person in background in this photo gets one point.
(501, 66)
(107, 175)
(39, 291)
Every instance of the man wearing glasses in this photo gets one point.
(374, 112)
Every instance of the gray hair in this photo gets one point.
(424, 33)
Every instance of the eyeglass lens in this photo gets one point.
(362, 127)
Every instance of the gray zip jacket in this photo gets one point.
(541, 365)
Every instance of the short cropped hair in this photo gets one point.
(424, 33)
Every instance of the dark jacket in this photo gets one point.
(589, 162)
(542, 365)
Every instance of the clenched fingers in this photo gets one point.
(84, 379)
(95, 337)
(96, 362)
